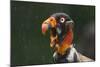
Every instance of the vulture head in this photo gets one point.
(61, 31)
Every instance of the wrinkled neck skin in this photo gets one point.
(68, 38)
(64, 45)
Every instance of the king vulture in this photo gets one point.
(61, 38)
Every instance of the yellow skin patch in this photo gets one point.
(61, 49)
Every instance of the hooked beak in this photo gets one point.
(47, 24)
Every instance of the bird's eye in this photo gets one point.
(62, 20)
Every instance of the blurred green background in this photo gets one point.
(30, 47)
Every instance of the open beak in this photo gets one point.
(47, 24)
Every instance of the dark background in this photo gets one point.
(29, 46)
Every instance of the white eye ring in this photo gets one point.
(62, 20)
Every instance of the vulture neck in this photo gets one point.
(68, 38)
(66, 43)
